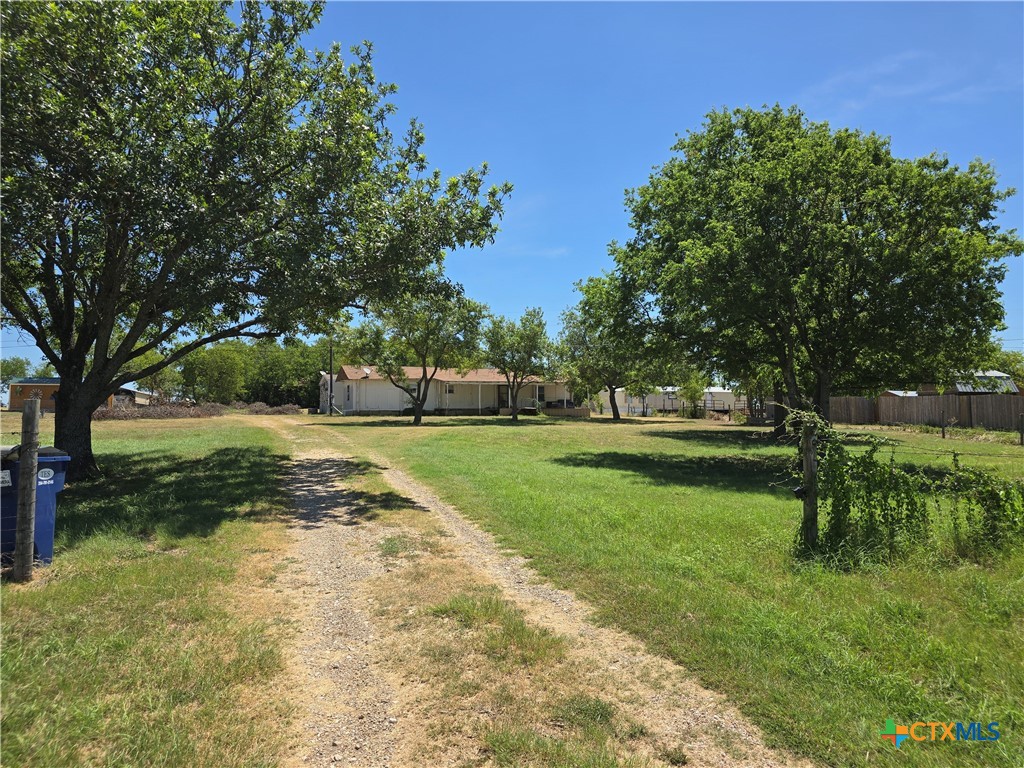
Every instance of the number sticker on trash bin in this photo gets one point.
(5, 478)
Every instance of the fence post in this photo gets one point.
(809, 446)
(943, 418)
(1020, 419)
(25, 529)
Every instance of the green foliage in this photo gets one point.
(872, 506)
(433, 328)
(607, 340)
(176, 174)
(1009, 361)
(771, 240)
(520, 350)
(987, 512)
(165, 380)
(216, 374)
(44, 369)
(878, 510)
(281, 373)
(12, 368)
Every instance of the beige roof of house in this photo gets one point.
(474, 376)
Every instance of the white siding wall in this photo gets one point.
(363, 395)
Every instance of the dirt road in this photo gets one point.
(385, 677)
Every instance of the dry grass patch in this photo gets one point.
(480, 685)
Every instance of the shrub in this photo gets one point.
(286, 410)
(174, 411)
(987, 512)
(872, 507)
(259, 409)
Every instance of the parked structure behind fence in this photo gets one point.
(987, 411)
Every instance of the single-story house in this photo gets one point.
(899, 393)
(982, 383)
(37, 388)
(362, 390)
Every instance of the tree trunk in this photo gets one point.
(73, 429)
(779, 419)
(514, 402)
(420, 401)
(614, 405)
(823, 397)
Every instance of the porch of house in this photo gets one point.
(463, 398)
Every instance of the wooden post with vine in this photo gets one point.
(809, 448)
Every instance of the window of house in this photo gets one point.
(540, 394)
(449, 389)
(348, 391)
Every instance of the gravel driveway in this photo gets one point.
(352, 710)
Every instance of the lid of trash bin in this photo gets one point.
(13, 453)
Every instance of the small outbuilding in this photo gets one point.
(42, 388)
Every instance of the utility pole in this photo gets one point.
(330, 382)
(25, 527)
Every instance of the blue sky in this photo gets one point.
(576, 102)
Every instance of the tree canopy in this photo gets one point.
(773, 240)
(520, 350)
(12, 368)
(427, 331)
(606, 339)
(173, 177)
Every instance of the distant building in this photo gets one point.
(127, 397)
(718, 399)
(42, 388)
(364, 391)
(982, 383)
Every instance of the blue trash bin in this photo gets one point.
(53, 466)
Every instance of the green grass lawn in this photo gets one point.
(682, 533)
(140, 644)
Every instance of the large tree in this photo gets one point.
(773, 240)
(607, 339)
(180, 173)
(520, 350)
(422, 331)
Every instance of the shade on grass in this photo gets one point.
(130, 649)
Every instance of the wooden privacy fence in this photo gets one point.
(853, 410)
(986, 411)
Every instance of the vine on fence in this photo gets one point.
(875, 509)
(987, 512)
